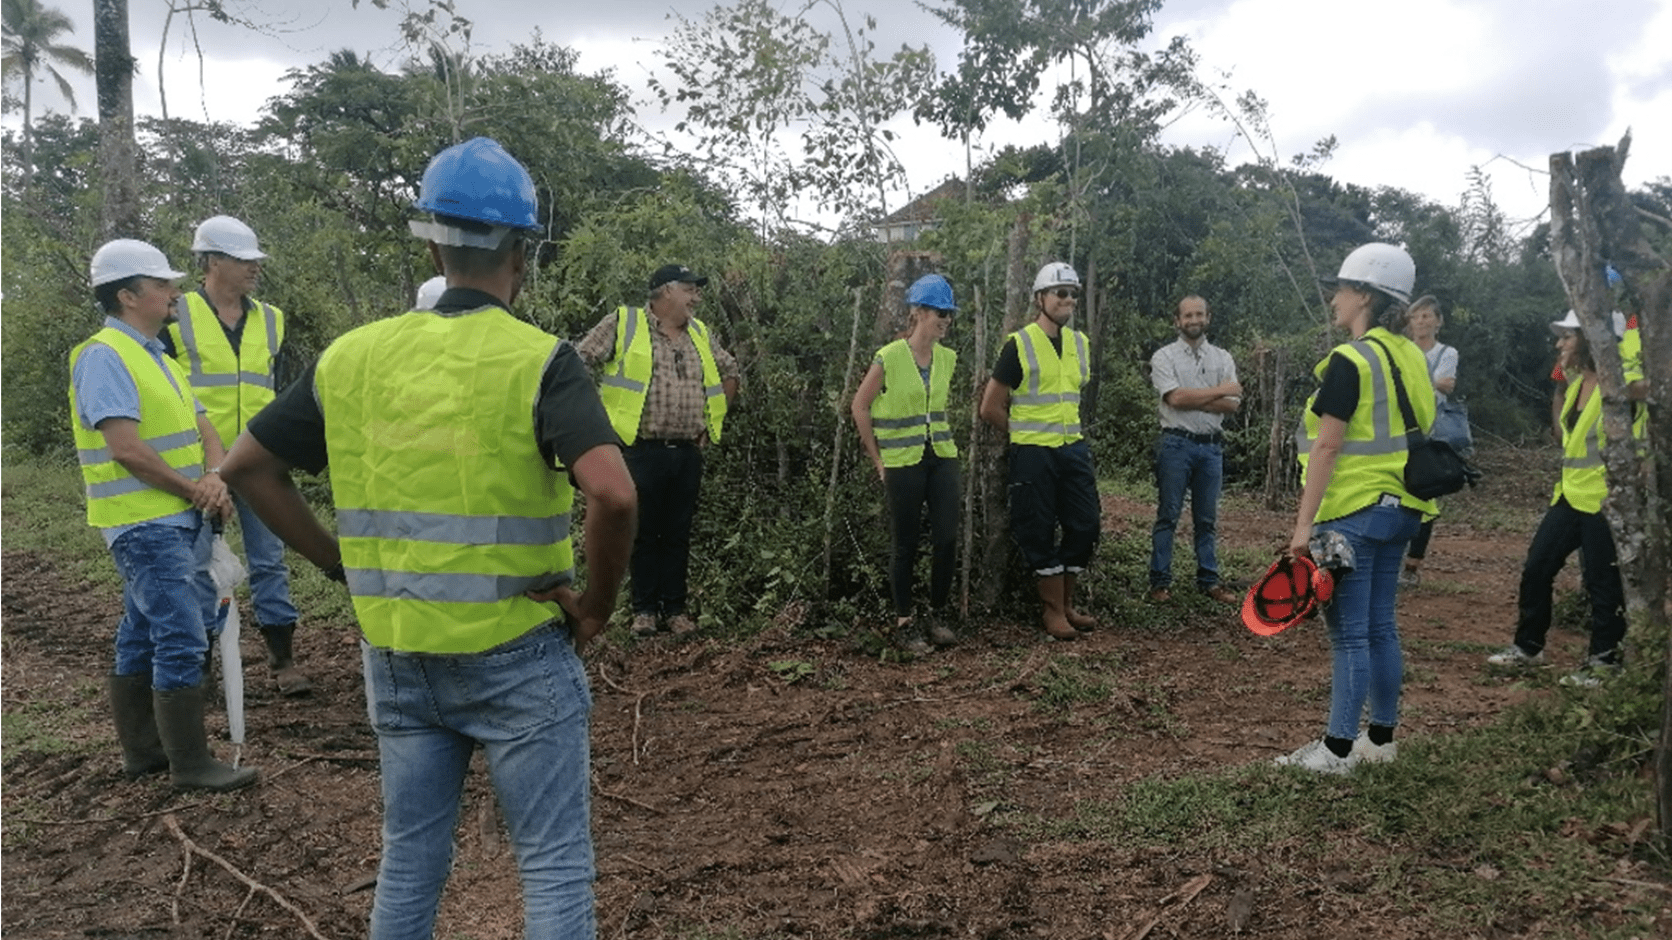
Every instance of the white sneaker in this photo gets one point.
(1314, 756)
(1368, 753)
(1516, 656)
(1592, 674)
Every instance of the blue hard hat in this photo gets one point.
(931, 290)
(477, 180)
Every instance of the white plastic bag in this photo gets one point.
(227, 572)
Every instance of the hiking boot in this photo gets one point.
(680, 624)
(136, 725)
(939, 633)
(1160, 595)
(1318, 758)
(1595, 672)
(280, 660)
(643, 625)
(1223, 594)
(1368, 753)
(191, 766)
(909, 638)
(1517, 657)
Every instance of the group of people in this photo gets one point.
(457, 437)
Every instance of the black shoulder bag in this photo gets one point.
(1432, 467)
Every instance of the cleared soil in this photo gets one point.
(858, 800)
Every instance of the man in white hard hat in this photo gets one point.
(147, 451)
(1034, 394)
(229, 343)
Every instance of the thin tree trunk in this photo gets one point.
(978, 378)
(836, 443)
(1095, 327)
(995, 510)
(118, 155)
(1272, 361)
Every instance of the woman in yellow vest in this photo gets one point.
(900, 410)
(1353, 455)
(1574, 522)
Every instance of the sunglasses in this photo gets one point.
(943, 314)
(1065, 293)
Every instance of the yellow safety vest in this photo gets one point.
(1045, 408)
(908, 414)
(626, 379)
(1373, 452)
(167, 422)
(232, 384)
(446, 511)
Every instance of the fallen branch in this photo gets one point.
(193, 848)
(627, 799)
(1182, 897)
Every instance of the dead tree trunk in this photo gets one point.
(994, 567)
(836, 442)
(974, 485)
(118, 154)
(1592, 224)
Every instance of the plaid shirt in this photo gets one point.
(673, 407)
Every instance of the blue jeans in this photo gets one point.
(1052, 488)
(528, 704)
(1181, 464)
(1363, 632)
(269, 578)
(162, 634)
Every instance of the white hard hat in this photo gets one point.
(127, 257)
(1387, 268)
(1571, 322)
(429, 292)
(227, 235)
(1055, 274)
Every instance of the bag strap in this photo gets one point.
(1410, 415)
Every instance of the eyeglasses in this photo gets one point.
(1066, 293)
(943, 314)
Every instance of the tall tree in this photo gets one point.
(31, 34)
(118, 154)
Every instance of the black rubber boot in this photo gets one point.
(136, 725)
(190, 764)
(281, 660)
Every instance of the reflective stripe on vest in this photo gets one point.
(167, 424)
(1045, 407)
(1584, 479)
(625, 382)
(908, 415)
(1373, 452)
(234, 385)
(446, 511)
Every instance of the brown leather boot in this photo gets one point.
(136, 725)
(280, 659)
(1085, 623)
(1053, 618)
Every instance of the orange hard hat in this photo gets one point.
(1291, 590)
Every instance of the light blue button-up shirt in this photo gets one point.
(104, 389)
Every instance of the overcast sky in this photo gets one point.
(1415, 92)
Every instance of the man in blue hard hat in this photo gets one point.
(456, 437)
(667, 385)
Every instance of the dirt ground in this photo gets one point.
(730, 802)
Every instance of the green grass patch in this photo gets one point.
(42, 510)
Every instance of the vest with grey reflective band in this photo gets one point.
(446, 511)
(909, 415)
(167, 424)
(1584, 479)
(1373, 451)
(232, 384)
(1045, 408)
(626, 380)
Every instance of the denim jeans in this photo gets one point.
(1363, 632)
(1561, 532)
(269, 578)
(668, 478)
(528, 704)
(162, 634)
(932, 481)
(1180, 464)
(1052, 487)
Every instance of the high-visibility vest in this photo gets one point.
(1584, 479)
(1373, 453)
(446, 511)
(1045, 408)
(626, 379)
(909, 415)
(232, 384)
(167, 423)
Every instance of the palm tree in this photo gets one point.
(29, 33)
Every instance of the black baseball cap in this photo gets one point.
(668, 273)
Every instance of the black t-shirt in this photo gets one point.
(569, 418)
(1008, 370)
(1339, 394)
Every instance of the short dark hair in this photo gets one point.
(1178, 308)
(106, 293)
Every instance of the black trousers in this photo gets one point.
(668, 477)
(1563, 531)
(932, 481)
